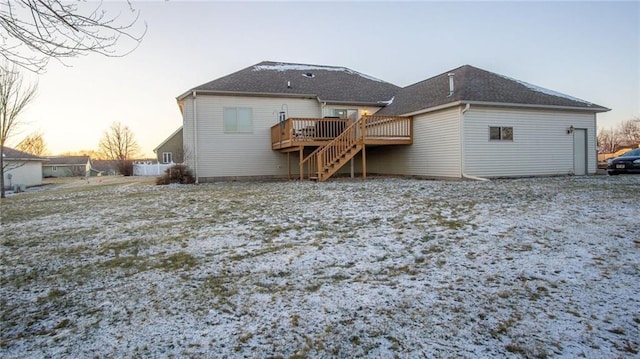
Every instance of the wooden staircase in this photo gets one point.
(334, 151)
(325, 161)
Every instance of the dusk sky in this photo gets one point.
(589, 50)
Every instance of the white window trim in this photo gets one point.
(165, 155)
(501, 139)
(224, 122)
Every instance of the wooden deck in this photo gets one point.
(294, 133)
(337, 141)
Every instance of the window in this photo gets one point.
(501, 133)
(238, 120)
(54, 168)
(340, 113)
(167, 157)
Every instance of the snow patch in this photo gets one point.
(387, 103)
(301, 67)
(547, 91)
(376, 268)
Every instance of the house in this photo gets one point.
(67, 166)
(104, 167)
(22, 169)
(171, 149)
(282, 120)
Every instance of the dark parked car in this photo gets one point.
(627, 163)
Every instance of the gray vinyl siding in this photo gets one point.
(174, 146)
(540, 146)
(226, 155)
(435, 151)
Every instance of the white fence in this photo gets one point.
(150, 169)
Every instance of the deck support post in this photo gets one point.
(364, 162)
(353, 174)
(289, 165)
(301, 154)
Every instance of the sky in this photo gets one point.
(589, 50)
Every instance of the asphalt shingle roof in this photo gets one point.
(67, 160)
(472, 84)
(342, 85)
(329, 83)
(13, 154)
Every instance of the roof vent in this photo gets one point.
(288, 84)
(451, 83)
(309, 75)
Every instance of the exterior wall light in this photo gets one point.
(570, 130)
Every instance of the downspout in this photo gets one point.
(322, 105)
(595, 143)
(195, 137)
(462, 168)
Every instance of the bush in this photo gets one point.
(176, 174)
(125, 167)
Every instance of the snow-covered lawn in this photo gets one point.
(379, 268)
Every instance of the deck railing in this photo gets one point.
(294, 130)
(387, 127)
(337, 139)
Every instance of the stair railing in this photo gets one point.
(334, 150)
(309, 165)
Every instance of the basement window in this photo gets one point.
(500, 133)
(238, 120)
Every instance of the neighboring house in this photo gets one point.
(22, 168)
(171, 149)
(104, 167)
(269, 119)
(67, 166)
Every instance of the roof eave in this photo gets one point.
(167, 139)
(434, 108)
(26, 159)
(537, 106)
(357, 103)
(243, 93)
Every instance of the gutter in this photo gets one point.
(542, 107)
(432, 109)
(276, 94)
(355, 103)
(243, 93)
(505, 104)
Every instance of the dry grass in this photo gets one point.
(381, 268)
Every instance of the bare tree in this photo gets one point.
(37, 30)
(607, 140)
(118, 143)
(629, 131)
(15, 95)
(95, 155)
(33, 144)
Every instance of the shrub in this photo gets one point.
(176, 174)
(125, 167)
